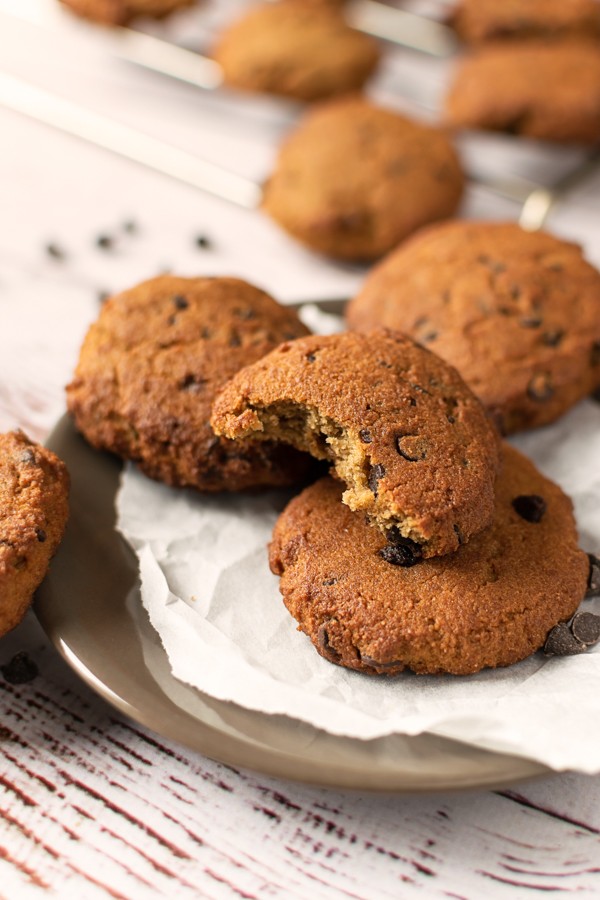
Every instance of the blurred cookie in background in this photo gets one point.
(538, 89)
(477, 21)
(295, 49)
(352, 180)
(121, 12)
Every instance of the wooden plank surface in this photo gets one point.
(93, 805)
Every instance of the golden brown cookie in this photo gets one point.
(516, 312)
(548, 90)
(492, 603)
(34, 507)
(487, 20)
(151, 366)
(402, 430)
(353, 180)
(295, 49)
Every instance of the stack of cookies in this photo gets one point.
(431, 545)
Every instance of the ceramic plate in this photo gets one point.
(90, 607)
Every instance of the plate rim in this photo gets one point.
(190, 731)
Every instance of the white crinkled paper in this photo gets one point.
(210, 595)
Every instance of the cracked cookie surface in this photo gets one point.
(151, 365)
(353, 180)
(539, 89)
(410, 440)
(516, 312)
(34, 507)
(492, 603)
(295, 49)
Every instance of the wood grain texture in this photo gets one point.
(93, 805)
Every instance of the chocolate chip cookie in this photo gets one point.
(487, 20)
(151, 365)
(548, 90)
(120, 12)
(353, 180)
(402, 430)
(516, 312)
(34, 507)
(492, 603)
(295, 49)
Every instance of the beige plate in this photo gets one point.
(89, 606)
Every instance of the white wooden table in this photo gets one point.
(91, 804)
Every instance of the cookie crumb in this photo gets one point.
(105, 242)
(55, 251)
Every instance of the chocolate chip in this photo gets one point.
(104, 242)
(553, 338)
(375, 474)
(561, 642)
(192, 383)
(593, 585)
(365, 435)
(451, 419)
(530, 322)
(540, 387)
(586, 627)
(40, 534)
(323, 642)
(310, 357)
(27, 457)
(530, 507)
(55, 251)
(380, 665)
(329, 581)
(411, 447)
(595, 354)
(247, 314)
(202, 241)
(400, 551)
(494, 265)
(180, 302)
(20, 669)
(234, 339)
(429, 337)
